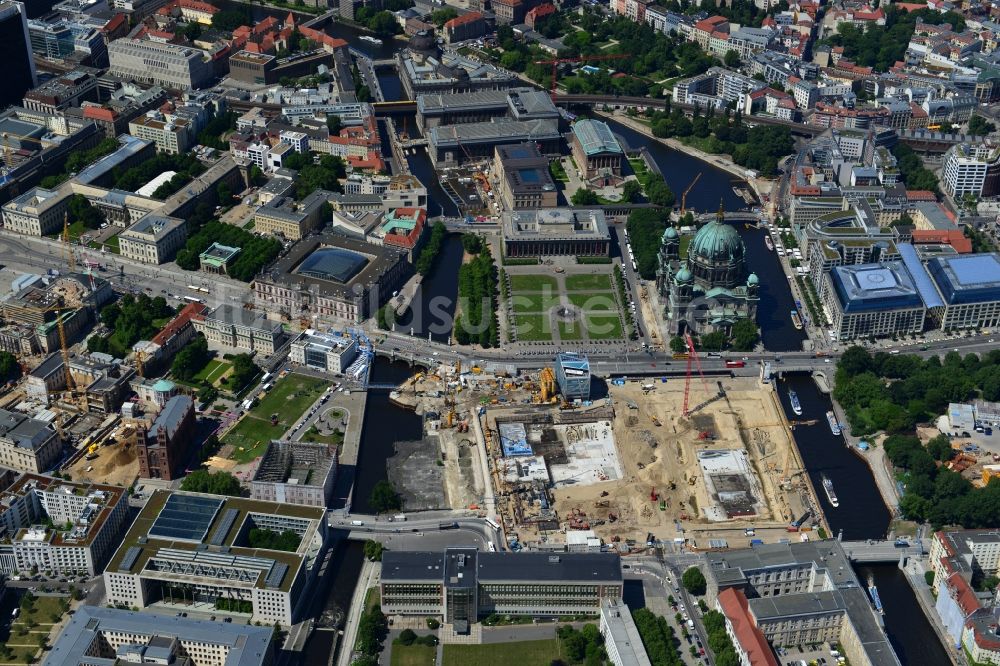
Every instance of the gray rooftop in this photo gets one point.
(23, 431)
(156, 226)
(246, 645)
(508, 130)
(171, 416)
(502, 567)
(554, 224)
(230, 315)
(520, 103)
(869, 287)
(595, 137)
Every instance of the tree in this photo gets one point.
(472, 243)
(744, 335)
(645, 227)
(80, 210)
(385, 498)
(714, 341)
(244, 371)
(333, 124)
(219, 483)
(441, 16)
(732, 59)
(10, 369)
(658, 192)
(632, 191)
(584, 197)
(694, 581)
(228, 20)
(407, 637)
(190, 359)
(979, 126)
(373, 550)
(678, 345)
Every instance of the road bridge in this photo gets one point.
(871, 551)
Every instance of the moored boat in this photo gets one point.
(830, 492)
(793, 398)
(831, 418)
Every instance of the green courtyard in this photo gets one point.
(522, 653)
(212, 372)
(595, 314)
(32, 627)
(289, 400)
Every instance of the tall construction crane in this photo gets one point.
(685, 195)
(692, 356)
(555, 62)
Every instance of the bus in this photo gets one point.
(680, 356)
(736, 364)
(492, 523)
(193, 299)
(196, 288)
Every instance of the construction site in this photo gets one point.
(707, 462)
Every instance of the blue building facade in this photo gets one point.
(573, 376)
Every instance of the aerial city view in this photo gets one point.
(500, 333)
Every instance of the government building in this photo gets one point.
(710, 289)
(462, 585)
(873, 300)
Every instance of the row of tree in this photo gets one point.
(645, 230)
(130, 319)
(477, 295)
(219, 483)
(718, 640)
(658, 638)
(585, 646)
(743, 337)
(428, 253)
(256, 252)
(911, 168)
(186, 165)
(372, 630)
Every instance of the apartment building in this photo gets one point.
(168, 65)
(87, 521)
(235, 327)
(201, 544)
(960, 560)
(462, 585)
(154, 239)
(27, 444)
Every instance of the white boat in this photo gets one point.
(830, 493)
(793, 398)
(371, 40)
(831, 418)
(769, 243)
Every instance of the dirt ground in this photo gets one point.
(116, 465)
(662, 459)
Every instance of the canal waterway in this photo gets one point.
(432, 310)
(861, 515)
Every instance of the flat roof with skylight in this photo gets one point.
(970, 278)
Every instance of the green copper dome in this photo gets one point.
(684, 275)
(716, 242)
(669, 233)
(753, 279)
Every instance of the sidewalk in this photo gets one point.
(914, 573)
(366, 579)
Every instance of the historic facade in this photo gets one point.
(710, 289)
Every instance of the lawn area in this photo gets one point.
(412, 655)
(212, 372)
(683, 248)
(289, 399)
(533, 302)
(604, 327)
(588, 282)
(533, 282)
(533, 327)
(23, 641)
(570, 330)
(523, 653)
(558, 172)
(603, 302)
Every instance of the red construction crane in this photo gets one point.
(559, 61)
(692, 356)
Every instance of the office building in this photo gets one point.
(301, 473)
(255, 68)
(969, 288)
(573, 375)
(435, 109)
(87, 521)
(452, 145)
(325, 352)
(16, 53)
(26, 444)
(171, 134)
(154, 239)
(555, 232)
(190, 547)
(972, 169)
(167, 65)
(462, 585)
(795, 594)
(873, 300)
(333, 278)
(597, 152)
(622, 641)
(523, 177)
(61, 92)
(98, 636)
(163, 449)
(283, 216)
(239, 328)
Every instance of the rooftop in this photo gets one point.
(230, 315)
(156, 226)
(298, 463)
(506, 567)
(595, 137)
(245, 645)
(529, 130)
(555, 223)
(23, 431)
(968, 278)
(866, 287)
(171, 416)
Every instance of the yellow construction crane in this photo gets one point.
(59, 310)
(547, 384)
(685, 195)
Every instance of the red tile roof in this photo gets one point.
(471, 17)
(751, 639)
(179, 322)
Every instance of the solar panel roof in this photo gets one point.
(185, 518)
